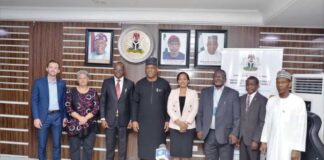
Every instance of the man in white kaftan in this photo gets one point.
(284, 131)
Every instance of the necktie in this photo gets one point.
(247, 103)
(118, 88)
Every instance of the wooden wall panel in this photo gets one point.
(14, 87)
(26, 51)
(14, 136)
(14, 148)
(303, 48)
(14, 68)
(73, 61)
(7, 121)
(238, 37)
(46, 44)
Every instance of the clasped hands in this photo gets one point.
(183, 125)
(82, 120)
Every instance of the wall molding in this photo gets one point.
(131, 15)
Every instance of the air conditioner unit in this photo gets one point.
(311, 88)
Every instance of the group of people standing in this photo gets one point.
(219, 117)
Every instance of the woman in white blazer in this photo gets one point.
(182, 109)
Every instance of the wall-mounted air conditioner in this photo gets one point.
(311, 88)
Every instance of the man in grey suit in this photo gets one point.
(253, 109)
(115, 110)
(218, 119)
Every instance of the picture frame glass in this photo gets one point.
(209, 45)
(174, 48)
(99, 47)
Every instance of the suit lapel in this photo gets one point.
(114, 88)
(254, 101)
(222, 98)
(211, 96)
(244, 100)
(124, 88)
(46, 89)
(176, 100)
(244, 104)
(187, 98)
(59, 89)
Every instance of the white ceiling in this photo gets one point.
(295, 13)
(201, 4)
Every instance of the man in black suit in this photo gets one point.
(115, 109)
(253, 108)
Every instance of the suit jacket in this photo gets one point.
(40, 98)
(252, 120)
(227, 117)
(190, 108)
(109, 102)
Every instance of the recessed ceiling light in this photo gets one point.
(271, 38)
(3, 32)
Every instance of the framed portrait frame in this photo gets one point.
(174, 48)
(208, 46)
(99, 47)
(135, 44)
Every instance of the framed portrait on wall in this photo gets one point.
(174, 48)
(99, 47)
(208, 47)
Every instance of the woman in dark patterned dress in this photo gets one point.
(82, 105)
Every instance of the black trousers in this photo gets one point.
(113, 133)
(87, 143)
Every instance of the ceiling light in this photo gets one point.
(271, 38)
(3, 32)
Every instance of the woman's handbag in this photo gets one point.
(84, 132)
